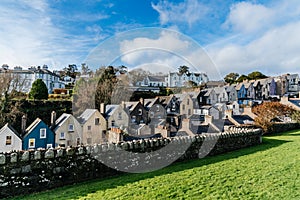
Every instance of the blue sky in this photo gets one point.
(240, 36)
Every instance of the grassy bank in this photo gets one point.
(267, 171)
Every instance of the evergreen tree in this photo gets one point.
(38, 90)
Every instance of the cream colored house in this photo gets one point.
(68, 131)
(116, 117)
(94, 127)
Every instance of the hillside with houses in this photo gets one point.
(202, 107)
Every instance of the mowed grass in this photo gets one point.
(267, 171)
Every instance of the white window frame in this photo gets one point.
(29, 141)
(41, 133)
(49, 146)
(62, 135)
(71, 127)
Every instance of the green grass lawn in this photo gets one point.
(267, 171)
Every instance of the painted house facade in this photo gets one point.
(116, 117)
(207, 97)
(222, 95)
(93, 127)
(137, 112)
(10, 140)
(38, 135)
(155, 81)
(68, 131)
(231, 92)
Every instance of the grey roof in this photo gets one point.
(242, 118)
(8, 126)
(61, 120)
(130, 105)
(220, 123)
(148, 103)
(33, 125)
(229, 88)
(157, 78)
(110, 109)
(219, 90)
(180, 96)
(86, 115)
(296, 102)
(239, 86)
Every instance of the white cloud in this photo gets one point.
(186, 12)
(248, 17)
(169, 49)
(265, 38)
(29, 36)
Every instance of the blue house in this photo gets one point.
(38, 135)
(241, 93)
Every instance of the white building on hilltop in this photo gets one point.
(23, 79)
(176, 79)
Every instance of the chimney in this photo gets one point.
(142, 101)
(102, 109)
(23, 124)
(208, 119)
(53, 118)
(123, 105)
(228, 113)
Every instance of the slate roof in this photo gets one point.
(131, 137)
(242, 118)
(157, 78)
(219, 90)
(110, 109)
(296, 102)
(130, 105)
(220, 123)
(61, 120)
(86, 115)
(33, 125)
(8, 126)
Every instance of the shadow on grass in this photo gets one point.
(85, 188)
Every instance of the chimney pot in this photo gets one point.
(53, 118)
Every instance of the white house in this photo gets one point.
(176, 79)
(23, 79)
(10, 140)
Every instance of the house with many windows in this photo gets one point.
(68, 131)
(38, 135)
(22, 79)
(93, 127)
(176, 79)
(10, 140)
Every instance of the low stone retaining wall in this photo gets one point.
(33, 171)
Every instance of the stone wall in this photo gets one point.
(33, 171)
(283, 127)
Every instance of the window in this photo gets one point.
(140, 111)
(62, 136)
(71, 127)
(89, 140)
(151, 114)
(31, 143)
(183, 107)
(49, 146)
(89, 128)
(113, 123)
(188, 102)
(133, 118)
(97, 121)
(8, 140)
(189, 112)
(42, 133)
(157, 108)
(78, 141)
(120, 116)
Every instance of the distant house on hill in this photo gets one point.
(176, 79)
(155, 81)
(27, 76)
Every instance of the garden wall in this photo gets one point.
(283, 127)
(33, 171)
